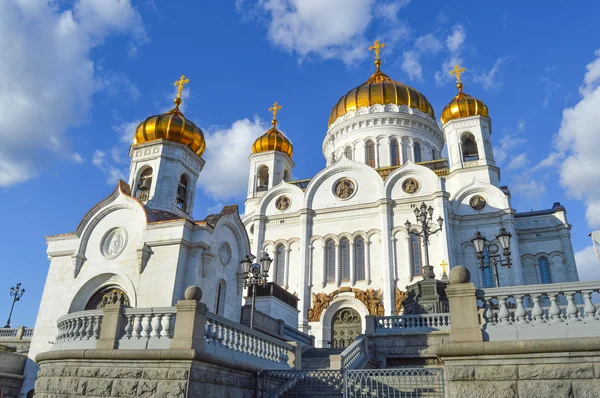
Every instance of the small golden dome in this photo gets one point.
(172, 126)
(463, 105)
(380, 89)
(273, 139)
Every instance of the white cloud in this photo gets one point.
(577, 143)
(326, 29)
(517, 162)
(113, 172)
(428, 44)
(77, 158)
(225, 175)
(489, 80)
(411, 65)
(126, 131)
(455, 40)
(588, 265)
(48, 75)
(510, 140)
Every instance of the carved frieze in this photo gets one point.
(371, 298)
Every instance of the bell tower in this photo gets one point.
(270, 161)
(166, 160)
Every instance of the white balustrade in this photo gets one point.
(147, 328)
(530, 312)
(354, 354)
(411, 324)
(78, 330)
(8, 333)
(233, 341)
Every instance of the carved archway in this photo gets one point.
(371, 298)
(345, 327)
(107, 295)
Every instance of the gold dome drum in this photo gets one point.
(171, 126)
(380, 89)
(272, 140)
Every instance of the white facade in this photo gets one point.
(152, 251)
(293, 221)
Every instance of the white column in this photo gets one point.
(388, 291)
(394, 259)
(338, 273)
(259, 235)
(286, 269)
(352, 275)
(405, 270)
(368, 260)
(324, 265)
(410, 151)
(377, 155)
(306, 276)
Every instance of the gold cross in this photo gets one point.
(376, 47)
(180, 83)
(274, 109)
(457, 71)
(444, 265)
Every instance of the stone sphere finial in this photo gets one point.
(193, 293)
(459, 274)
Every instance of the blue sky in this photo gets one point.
(77, 76)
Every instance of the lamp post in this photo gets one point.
(480, 243)
(255, 275)
(424, 217)
(16, 292)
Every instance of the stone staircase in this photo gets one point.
(318, 358)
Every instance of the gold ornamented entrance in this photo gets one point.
(345, 327)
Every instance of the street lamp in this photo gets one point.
(255, 275)
(480, 243)
(16, 292)
(424, 217)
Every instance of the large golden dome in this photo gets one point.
(380, 89)
(273, 139)
(172, 126)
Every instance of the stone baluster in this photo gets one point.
(97, 323)
(572, 310)
(503, 314)
(82, 327)
(72, 328)
(554, 312)
(146, 326)
(137, 326)
(208, 330)
(167, 330)
(537, 313)
(129, 326)
(156, 327)
(89, 331)
(521, 312)
(589, 308)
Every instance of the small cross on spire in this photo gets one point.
(444, 264)
(376, 48)
(457, 71)
(179, 84)
(274, 109)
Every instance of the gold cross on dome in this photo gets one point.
(376, 47)
(180, 83)
(444, 265)
(274, 109)
(457, 71)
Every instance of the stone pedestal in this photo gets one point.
(426, 297)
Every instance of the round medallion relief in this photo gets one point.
(113, 243)
(410, 185)
(283, 203)
(477, 202)
(344, 188)
(225, 253)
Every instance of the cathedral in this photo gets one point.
(341, 241)
(344, 242)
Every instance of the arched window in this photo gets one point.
(286, 175)
(359, 259)
(370, 154)
(220, 303)
(416, 255)
(262, 183)
(279, 264)
(395, 152)
(182, 188)
(487, 274)
(417, 152)
(144, 184)
(330, 261)
(544, 265)
(348, 152)
(107, 295)
(433, 154)
(345, 259)
(469, 148)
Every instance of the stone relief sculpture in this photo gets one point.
(282, 203)
(371, 298)
(399, 298)
(477, 202)
(114, 243)
(410, 185)
(344, 188)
